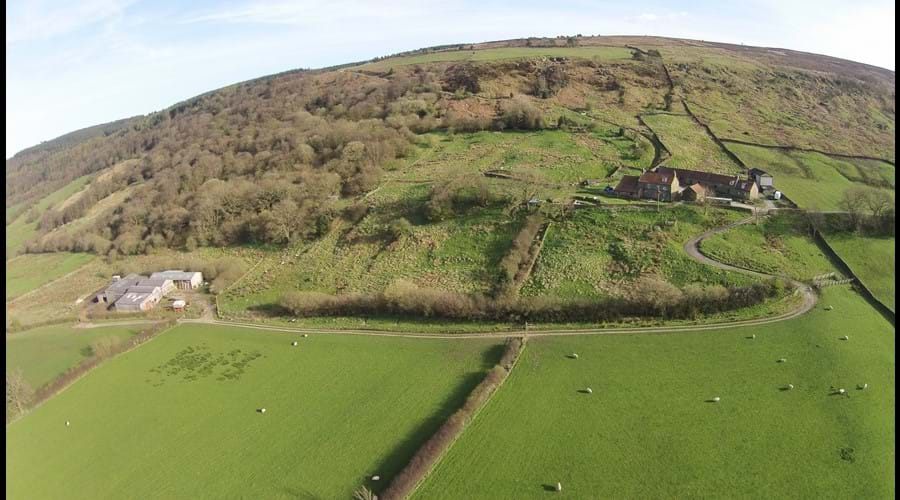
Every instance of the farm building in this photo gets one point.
(649, 186)
(165, 285)
(694, 192)
(137, 301)
(627, 187)
(763, 179)
(658, 186)
(111, 294)
(183, 280)
(140, 293)
(721, 185)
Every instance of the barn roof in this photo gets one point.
(174, 275)
(628, 184)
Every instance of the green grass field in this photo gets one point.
(872, 260)
(648, 432)
(778, 245)
(20, 231)
(601, 53)
(46, 352)
(27, 272)
(177, 417)
(600, 253)
(689, 144)
(811, 180)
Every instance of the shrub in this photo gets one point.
(520, 114)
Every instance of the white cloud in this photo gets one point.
(38, 20)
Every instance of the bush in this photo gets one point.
(521, 115)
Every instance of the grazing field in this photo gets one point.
(872, 260)
(601, 252)
(647, 431)
(20, 231)
(177, 417)
(27, 272)
(601, 53)
(689, 144)
(778, 245)
(46, 352)
(813, 180)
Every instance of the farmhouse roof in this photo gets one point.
(742, 185)
(628, 184)
(697, 188)
(660, 178)
(696, 175)
(142, 289)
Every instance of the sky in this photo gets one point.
(73, 64)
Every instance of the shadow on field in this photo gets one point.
(397, 458)
(491, 357)
(270, 310)
(549, 487)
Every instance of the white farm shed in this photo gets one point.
(183, 280)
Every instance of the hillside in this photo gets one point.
(350, 178)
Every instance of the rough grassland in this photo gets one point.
(647, 432)
(46, 352)
(177, 417)
(600, 252)
(811, 180)
(27, 272)
(776, 246)
(872, 260)
(602, 53)
(691, 148)
(20, 231)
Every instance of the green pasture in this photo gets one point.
(689, 144)
(872, 260)
(601, 252)
(177, 418)
(46, 352)
(813, 180)
(777, 245)
(648, 430)
(28, 272)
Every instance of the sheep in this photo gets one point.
(829, 308)
(558, 486)
(376, 478)
(781, 360)
(753, 336)
(68, 423)
(305, 335)
(862, 387)
(845, 337)
(589, 391)
(790, 386)
(295, 343)
(841, 391)
(574, 356)
(715, 399)
(262, 410)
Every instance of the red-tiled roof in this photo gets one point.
(662, 179)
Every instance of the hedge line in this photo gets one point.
(650, 299)
(433, 449)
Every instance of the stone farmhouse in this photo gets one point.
(135, 293)
(671, 184)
